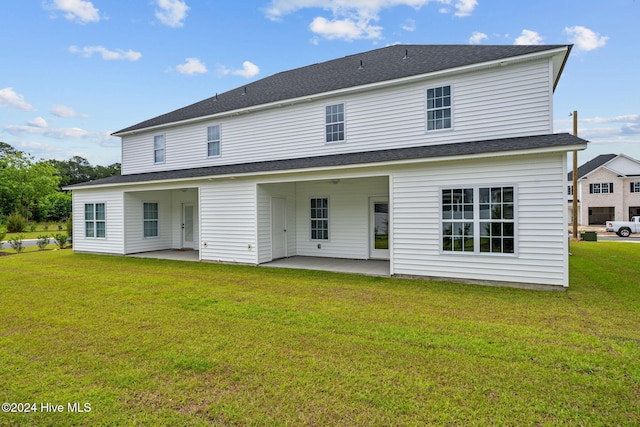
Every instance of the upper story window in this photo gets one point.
(158, 149)
(478, 220)
(213, 141)
(601, 188)
(439, 108)
(635, 187)
(334, 122)
(150, 219)
(570, 190)
(95, 221)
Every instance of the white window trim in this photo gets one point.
(476, 221)
(164, 148)
(426, 111)
(144, 220)
(344, 122)
(328, 239)
(84, 221)
(219, 141)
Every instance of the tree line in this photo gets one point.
(34, 189)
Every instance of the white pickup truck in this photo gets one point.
(625, 228)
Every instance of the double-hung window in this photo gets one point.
(601, 188)
(213, 141)
(150, 219)
(95, 221)
(635, 187)
(478, 220)
(439, 108)
(319, 218)
(334, 123)
(158, 149)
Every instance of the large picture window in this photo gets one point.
(150, 219)
(334, 122)
(478, 220)
(95, 221)
(439, 108)
(319, 218)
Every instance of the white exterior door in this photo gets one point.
(379, 228)
(278, 228)
(187, 225)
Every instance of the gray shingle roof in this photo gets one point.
(496, 146)
(389, 63)
(592, 165)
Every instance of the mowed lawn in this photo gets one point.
(150, 342)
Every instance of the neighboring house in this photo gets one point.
(440, 159)
(608, 189)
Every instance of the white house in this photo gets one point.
(608, 189)
(440, 159)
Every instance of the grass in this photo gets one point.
(41, 228)
(152, 342)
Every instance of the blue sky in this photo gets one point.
(74, 71)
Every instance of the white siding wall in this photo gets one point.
(114, 241)
(500, 102)
(228, 221)
(135, 240)
(348, 216)
(541, 228)
(266, 192)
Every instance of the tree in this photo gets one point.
(55, 206)
(23, 182)
(78, 169)
(6, 149)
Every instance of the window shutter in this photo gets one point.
(631, 188)
(591, 188)
(611, 187)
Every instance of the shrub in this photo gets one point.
(16, 223)
(60, 227)
(61, 240)
(43, 241)
(70, 229)
(3, 234)
(32, 226)
(16, 243)
(45, 227)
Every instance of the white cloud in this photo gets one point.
(9, 98)
(38, 122)
(248, 70)
(528, 37)
(58, 133)
(465, 7)
(172, 12)
(107, 55)
(345, 29)
(352, 18)
(79, 11)
(477, 37)
(409, 25)
(584, 38)
(191, 67)
(64, 111)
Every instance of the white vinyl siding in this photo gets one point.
(136, 220)
(541, 226)
(113, 204)
(501, 102)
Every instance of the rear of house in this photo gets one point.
(440, 159)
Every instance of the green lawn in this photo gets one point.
(151, 342)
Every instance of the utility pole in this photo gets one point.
(574, 213)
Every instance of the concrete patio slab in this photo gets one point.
(172, 254)
(339, 265)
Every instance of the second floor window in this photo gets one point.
(439, 108)
(334, 123)
(601, 188)
(635, 187)
(213, 141)
(158, 149)
(570, 190)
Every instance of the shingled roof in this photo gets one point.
(592, 165)
(389, 63)
(497, 146)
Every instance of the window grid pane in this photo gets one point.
(319, 210)
(334, 119)
(439, 108)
